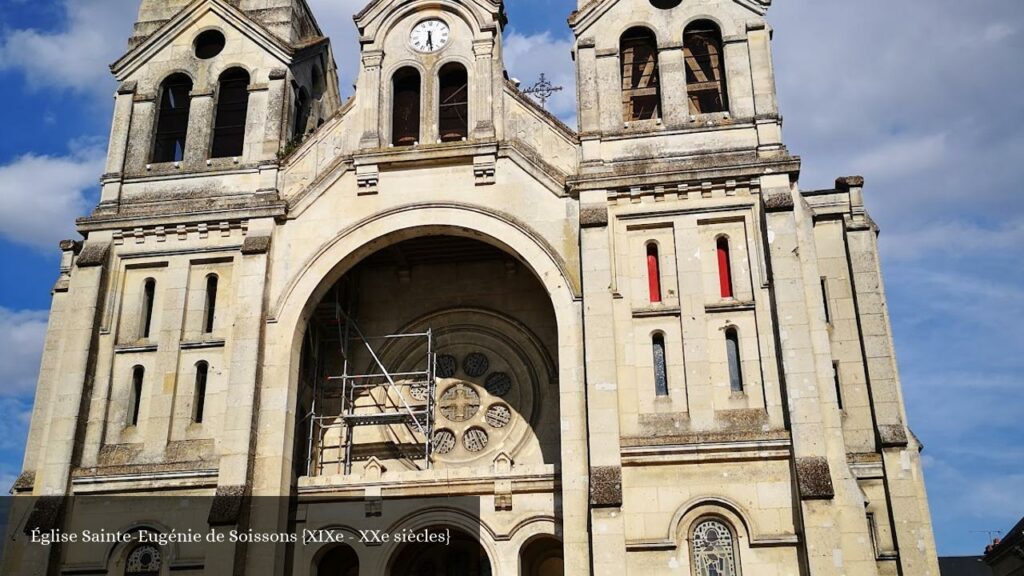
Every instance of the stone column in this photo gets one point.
(904, 478)
(675, 107)
(738, 80)
(160, 388)
(200, 129)
(586, 81)
(482, 97)
(763, 79)
(117, 149)
(831, 503)
(608, 536)
(274, 128)
(609, 89)
(141, 131)
(371, 98)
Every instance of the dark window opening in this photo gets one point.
(172, 119)
(660, 368)
(641, 91)
(705, 70)
(209, 44)
(148, 300)
(732, 349)
(199, 401)
(453, 108)
(302, 111)
(838, 384)
(724, 268)
(339, 561)
(211, 303)
(232, 109)
(653, 273)
(824, 298)
(135, 395)
(405, 116)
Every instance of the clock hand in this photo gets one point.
(430, 39)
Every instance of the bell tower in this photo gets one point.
(430, 73)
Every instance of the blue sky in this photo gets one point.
(922, 97)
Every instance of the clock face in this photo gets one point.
(429, 35)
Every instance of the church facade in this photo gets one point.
(633, 348)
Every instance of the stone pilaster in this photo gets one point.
(200, 129)
(373, 96)
(482, 95)
(672, 77)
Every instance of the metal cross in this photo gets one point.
(542, 90)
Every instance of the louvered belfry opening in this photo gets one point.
(405, 118)
(232, 110)
(705, 71)
(641, 88)
(453, 109)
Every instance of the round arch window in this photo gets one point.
(209, 44)
(666, 4)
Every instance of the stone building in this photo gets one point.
(632, 348)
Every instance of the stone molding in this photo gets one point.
(256, 245)
(94, 254)
(593, 216)
(606, 486)
(892, 436)
(814, 478)
(227, 505)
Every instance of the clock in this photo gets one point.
(429, 35)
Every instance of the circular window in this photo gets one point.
(446, 366)
(474, 440)
(666, 4)
(209, 44)
(444, 441)
(475, 364)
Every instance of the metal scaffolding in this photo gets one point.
(381, 396)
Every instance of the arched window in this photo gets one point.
(135, 395)
(641, 91)
(302, 108)
(542, 557)
(660, 369)
(405, 109)
(653, 273)
(724, 267)
(232, 107)
(705, 68)
(732, 351)
(338, 561)
(199, 398)
(210, 309)
(144, 560)
(148, 300)
(453, 106)
(172, 119)
(713, 550)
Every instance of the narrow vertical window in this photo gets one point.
(405, 113)
(825, 300)
(724, 267)
(172, 119)
(732, 350)
(199, 398)
(660, 368)
(135, 395)
(705, 70)
(653, 273)
(838, 384)
(232, 109)
(712, 549)
(641, 90)
(453, 111)
(210, 310)
(148, 299)
(302, 110)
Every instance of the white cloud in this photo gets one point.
(74, 57)
(526, 57)
(952, 238)
(335, 19)
(41, 196)
(21, 349)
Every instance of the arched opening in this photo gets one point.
(491, 350)
(732, 351)
(405, 115)
(462, 556)
(660, 367)
(341, 560)
(705, 68)
(541, 557)
(713, 548)
(453, 103)
(301, 113)
(210, 303)
(232, 109)
(199, 395)
(724, 267)
(143, 560)
(135, 395)
(146, 312)
(641, 88)
(172, 119)
(653, 273)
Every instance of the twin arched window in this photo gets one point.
(229, 123)
(452, 105)
(705, 71)
(713, 549)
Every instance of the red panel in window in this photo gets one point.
(724, 268)
(653, 273)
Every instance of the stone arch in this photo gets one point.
(710, 506)
(390, 20)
